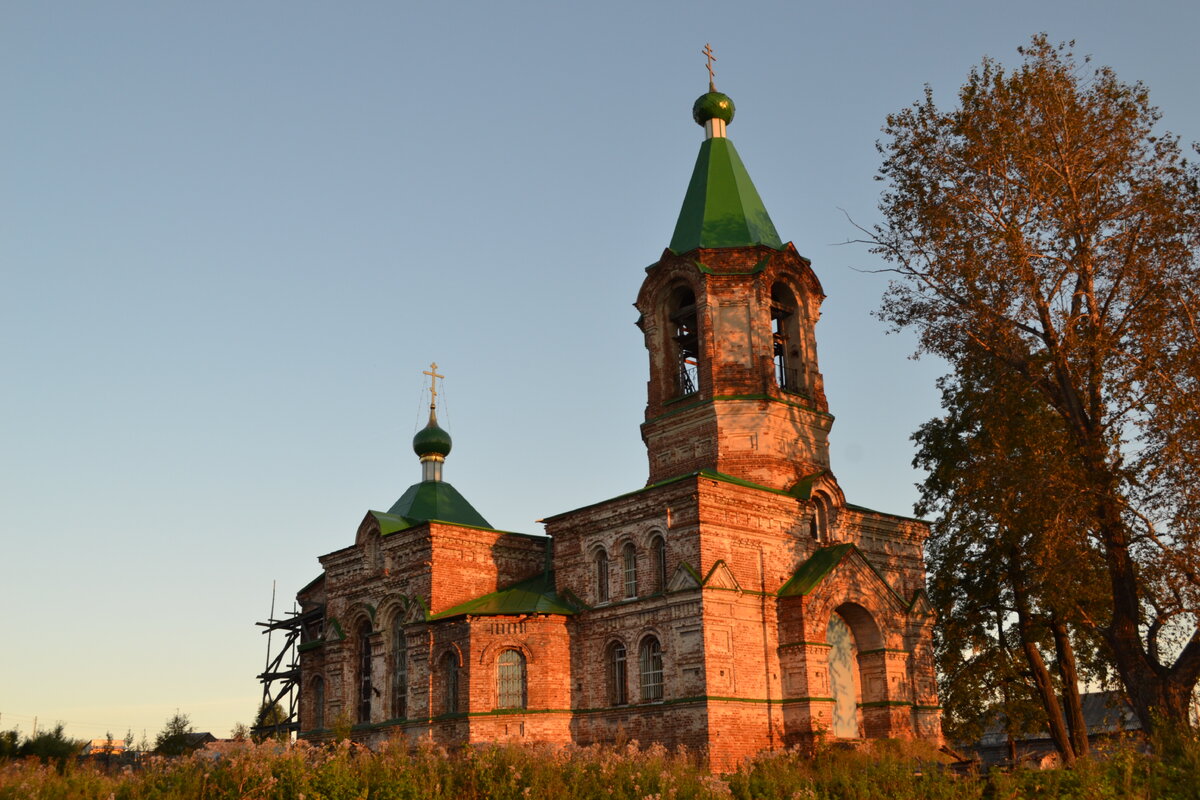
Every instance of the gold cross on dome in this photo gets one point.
(708, 53)
(433, 379)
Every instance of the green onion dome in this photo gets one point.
(712, 105)
(431, 440)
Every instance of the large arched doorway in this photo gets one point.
(843, 678)
(849, 633)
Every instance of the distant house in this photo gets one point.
(194, 741)
(102, 747)
(1108, 716)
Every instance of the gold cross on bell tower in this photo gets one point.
(708, 53)
(433, 379)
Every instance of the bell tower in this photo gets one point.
(728, 314)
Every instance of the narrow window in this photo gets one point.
(601, 576)
(399, 670)
(511, 680)
(617, 675)
(785, 335)
(450, 683)
(820, 527)
(651, 670)
(364, 672)
(658, 554)
(629, 569)
(685, 335)
(318, 703)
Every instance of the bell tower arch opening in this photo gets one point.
(786, 339)
(684, 334)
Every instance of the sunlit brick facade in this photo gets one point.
(735, 603)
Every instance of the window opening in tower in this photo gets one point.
(783, 309)
(687, 342)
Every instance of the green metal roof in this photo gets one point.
(813, 571)
(431, 500)
(531, 596)
(722, 208)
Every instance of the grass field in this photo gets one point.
(889, 770)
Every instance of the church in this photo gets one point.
(734, 602)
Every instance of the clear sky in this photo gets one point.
(233, 234)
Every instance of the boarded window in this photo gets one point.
(601, 576)
(629, 570)
(318, 703)
(658, 557)
(618, 680)
(364, 672)
(511, 680)
(450, 683)
(650, 665)
(399, 670)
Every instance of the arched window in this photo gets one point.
(650, 667)
(449, 670)
(686, 338)
(318, 704)
(821, 518)
(618, 675)
(510, 679)
(629, 569)
(785, 332)
(364, 672)
(601, 576)
(658, 559)
(399, 670)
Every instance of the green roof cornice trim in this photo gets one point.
(723, 478)
(712, 474)
(722, 208)
(431, 500)
(531, 596)
(803, 488)
(809, 574)
(814, 570)
(337, 629)
(865, 510)
(390, 523)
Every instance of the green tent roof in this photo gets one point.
(722, 208)
(531, 596)
(435, 500)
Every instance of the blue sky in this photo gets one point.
(232, 235)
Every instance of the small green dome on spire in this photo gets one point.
(431, 440)
(712, 105)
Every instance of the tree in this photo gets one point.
(175, 739)
(51, 746)
(1043, 229)
(270, 723)
(9, 743)
(1007, 570)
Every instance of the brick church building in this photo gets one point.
(734, 603)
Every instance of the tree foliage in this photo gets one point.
(50, 746)
(1045, 234)
(175, 739)
(270, 723)
(1012, 579)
